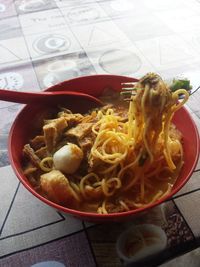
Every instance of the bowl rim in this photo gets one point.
(92, 215)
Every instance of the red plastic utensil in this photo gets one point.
(43, 98)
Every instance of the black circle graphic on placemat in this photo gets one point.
(120, 62)
(51, 43)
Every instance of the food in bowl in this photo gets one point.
(112, 159)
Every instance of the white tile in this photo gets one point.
(183, 20)
(186, 205)
(99, 34)
(167, 52)
(41, 22)
(142, 26)
(54, 42)
(192, 184)
(9, 183)
(10, 52)
(170, 5)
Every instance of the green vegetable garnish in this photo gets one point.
(180, 84)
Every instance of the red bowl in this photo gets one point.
(29, 118)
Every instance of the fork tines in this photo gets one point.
(129, 83)
(128, 90)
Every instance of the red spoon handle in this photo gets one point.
(18, 97)
(42, 97)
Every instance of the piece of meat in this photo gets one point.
(79, 131)
(71, 119)
(92, 117)
(57, 188)
(86, 144)
(32, 173)
(30, 170)
(37, 142)
(94, 162)
(53, 130)
(93, 193)
(42, 152)
(30, 153)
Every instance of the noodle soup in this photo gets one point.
(115, 158)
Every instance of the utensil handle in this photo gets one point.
(33, 98)
(55, 97)
(19, 97)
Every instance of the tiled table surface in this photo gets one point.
(39, 41)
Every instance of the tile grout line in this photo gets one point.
(186, 193)
(89, 242)
(42, 244)
(9, 209)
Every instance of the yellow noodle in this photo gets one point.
(44, 162)
(84, 180)
(123, 204)
(106, 186)
(103, 208)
